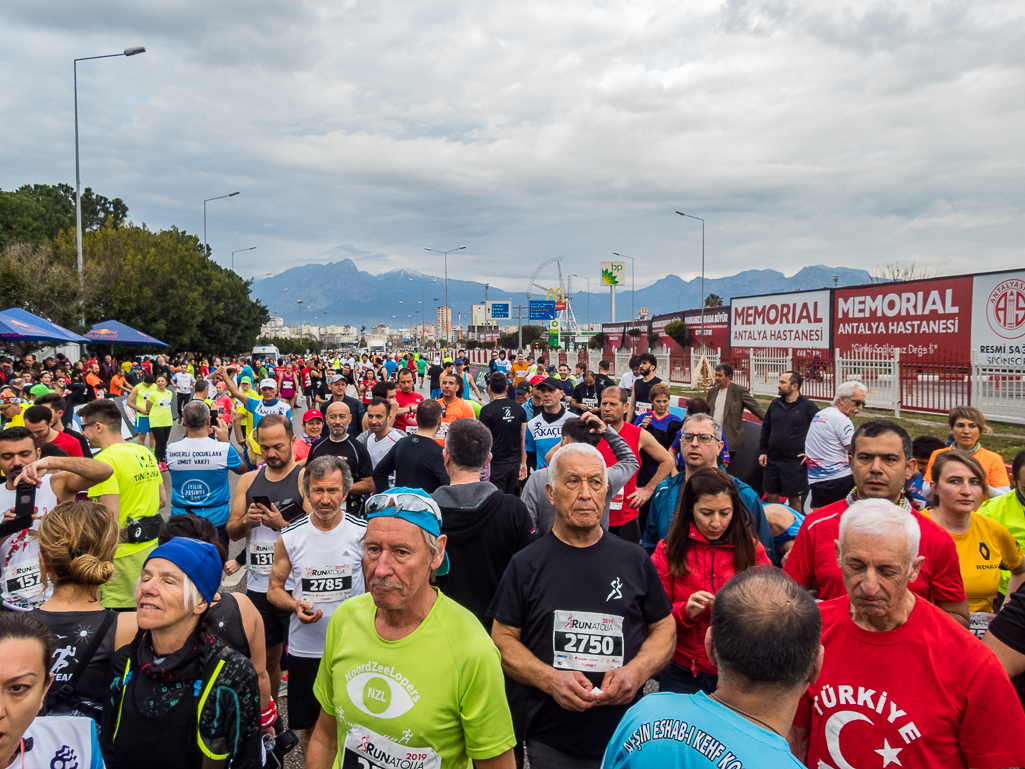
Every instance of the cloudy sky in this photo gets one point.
(854, 133)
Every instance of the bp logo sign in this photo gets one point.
(1005, 309)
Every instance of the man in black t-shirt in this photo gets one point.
(507, 422)
(338, 443)
(434, 373)
(587, 395)
(602, 378)
(640, 402)
(581, 620)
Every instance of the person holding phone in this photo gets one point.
(27, 495)
(708, 542)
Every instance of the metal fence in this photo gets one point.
(998, 391)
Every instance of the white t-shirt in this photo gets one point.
(22, 577)
(826, 444)
(627, 380)
(183, 382)
(327, 569)
(378, 448)
(719, 411)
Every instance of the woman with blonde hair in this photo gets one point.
(967, 424)
(77, 541)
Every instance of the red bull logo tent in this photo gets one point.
(18, 325)
(112, 332)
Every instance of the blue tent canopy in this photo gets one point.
(112, 332)
(18, 325)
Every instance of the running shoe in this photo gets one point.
(163, 467)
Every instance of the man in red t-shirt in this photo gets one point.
(38, 420)
(901, 683)
(407, 401)
(624, 511)
(880, 452)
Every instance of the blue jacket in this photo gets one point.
(663, 508)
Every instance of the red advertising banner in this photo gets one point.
(924, 319)
(613, 335)
(717, 327)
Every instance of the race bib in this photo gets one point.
(591, 403)
(442, 430)
(642, 408)
(327, 584)
(588, 642)
(23, 580)
(261, 557)
(365, 749)
(411, 429)
(617, 502)
(979, 623)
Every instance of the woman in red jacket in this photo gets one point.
(708, 542)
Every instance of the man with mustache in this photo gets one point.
(407, 671)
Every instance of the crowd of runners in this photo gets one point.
(424, 564)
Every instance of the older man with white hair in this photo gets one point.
(581, 619)
(826, 446)
(902, 684)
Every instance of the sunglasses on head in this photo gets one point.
(402, 501)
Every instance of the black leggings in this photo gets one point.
(160, 435)
(183, 401)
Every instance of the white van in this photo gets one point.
(266, 351)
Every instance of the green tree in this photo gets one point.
(597, 341)
(39, 212)
(532, 335)
(677, 331)
(713, 300)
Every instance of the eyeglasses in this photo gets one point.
(98, 422)
(859, 404)
(403, 501)
(699, 437)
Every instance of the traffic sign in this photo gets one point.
(499, 310)
(542, 309)
(612, 273)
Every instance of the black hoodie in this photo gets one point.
(485, 528)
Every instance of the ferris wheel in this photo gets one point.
(547, 281)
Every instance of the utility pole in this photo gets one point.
(519, 324)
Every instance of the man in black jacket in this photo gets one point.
(417, 460)
(781, 444)
(485, 527)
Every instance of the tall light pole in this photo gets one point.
(239, 251)
(423, 302)
(446, 253)
(702, 272)
(78, 174)
(219, 197)
(588, 299)
(633, 284)
(300, 303)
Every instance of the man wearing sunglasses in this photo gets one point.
(409, 677)
(827, 446)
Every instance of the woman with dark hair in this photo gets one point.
(708, 542)
(26, 648)
(232, 617)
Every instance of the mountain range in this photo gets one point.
(339, 293)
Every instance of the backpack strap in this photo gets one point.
(211, 673)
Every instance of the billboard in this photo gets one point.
(559, 298)
(799, 320)
(612, 273)
(542, 309)
(998, 318)
(924, 319)
(717, 327)
(613, 334)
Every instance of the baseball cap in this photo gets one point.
(413, 505)
(268, 383)
(335, 378)
(199, 561)
(551, 383)
(537, 379)
(39, 389)
(523, 387)
(312, 414)
(460, 362)
(248, 379)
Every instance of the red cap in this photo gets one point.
(312, 414)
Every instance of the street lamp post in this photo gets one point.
(78, 174)
(446, 253)
(689, 216)
(423, 300)
(239, 251)
(633, 284)
(219, 197)
(300, 303)
(588, 299)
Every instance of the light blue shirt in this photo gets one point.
(199, 470)
(692, 731)
(542, 435)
